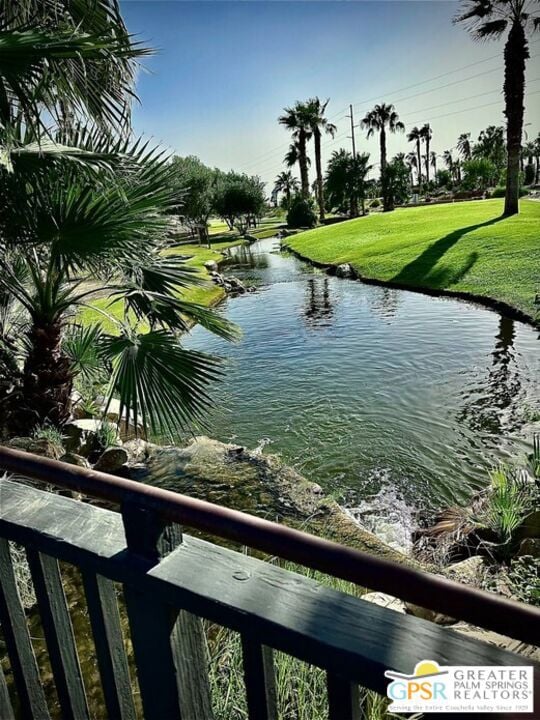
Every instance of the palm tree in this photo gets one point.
(537, 159)
(415, 135)
(346, 179)
(296, 119)
(433, 161)
(452, 165)
(286, 183)
(318, 124)
(464, 146)
(412, 161)
(426, 134)
(82, 215)
(378, 120)
(490, 19)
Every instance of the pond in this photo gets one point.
(366, 389)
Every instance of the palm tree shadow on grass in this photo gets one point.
(421, 270)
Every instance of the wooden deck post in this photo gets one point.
(168, 644)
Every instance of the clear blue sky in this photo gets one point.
(225, 70)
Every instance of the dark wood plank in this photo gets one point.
(340, 633)
(6, 709)
(152, 625)
(19, 646)
(169, 645)
(344, 702)
(111, 656)
(260, 680)
(58, 633)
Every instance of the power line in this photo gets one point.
(469, 97)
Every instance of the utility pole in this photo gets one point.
(351, 116)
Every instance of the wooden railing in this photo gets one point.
(171, 581)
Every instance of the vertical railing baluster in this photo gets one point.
(6, 709)
(59, 636)
(168, 645)
(111, 656)
(259, 679)
(344, 701)
(18, 643)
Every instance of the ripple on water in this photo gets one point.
(347, 378)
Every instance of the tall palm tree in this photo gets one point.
(286, 183)
(426, 134)
(82, 215)
(464, 146)
(318, 125)
(415, 136)
(383, 116)
(491, 19)
(296, 120)
(293, 156)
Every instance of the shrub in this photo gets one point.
(375, 203)
(530, 174)
(301, 213)
(500, 192)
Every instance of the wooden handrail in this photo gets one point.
(478, 607)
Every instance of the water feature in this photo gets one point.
(365, 389)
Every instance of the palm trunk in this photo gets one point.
(384, 179)
(427, 160)
(318, 166)
(47, 381)
(537, 174)
(515, 55)
(302, 162)
(288, 196)
(419, 168)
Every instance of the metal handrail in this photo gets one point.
(486, 610)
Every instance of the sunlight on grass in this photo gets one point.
(465, 247)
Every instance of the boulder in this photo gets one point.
(41, 446)
(111, 460)
(430, 615)
(74, 459)
(383, 600)
(345, 270)
(82, 436)
(138, 450)
(211, 266)
(530, 546)
(469, 571)
(530, 527)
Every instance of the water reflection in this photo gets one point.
(318, 306)
(494, 405)
(384, 303)
(243, 255)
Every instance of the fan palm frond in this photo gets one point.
(159, 383)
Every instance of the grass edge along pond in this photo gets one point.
(465, 249)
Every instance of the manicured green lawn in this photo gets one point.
(463, 247)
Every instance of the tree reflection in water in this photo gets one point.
(494, 406)
(319, 308)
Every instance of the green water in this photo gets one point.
(364, 389)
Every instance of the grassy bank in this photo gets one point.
(464, 248)
(206, 294)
